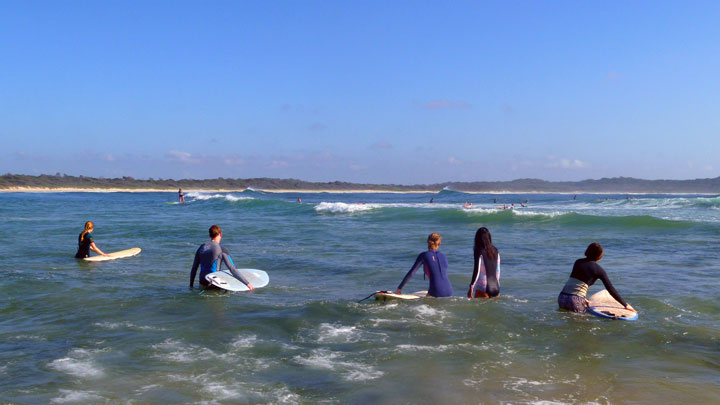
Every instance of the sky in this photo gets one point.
(407, 92)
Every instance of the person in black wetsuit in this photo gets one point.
(86, 243)
(485, 282)
(584, 274)
(210, 255)
(435, 264)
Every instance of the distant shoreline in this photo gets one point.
(312, 191)
(615, 185)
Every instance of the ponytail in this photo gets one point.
(88, 226)
(434, 240)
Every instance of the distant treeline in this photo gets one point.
(604, 185)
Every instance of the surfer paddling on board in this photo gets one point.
(209, 256)
(86, 243)
(584, 273)
(435, 265)
(485, 282)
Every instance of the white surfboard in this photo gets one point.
(602, 304)
(225, 280)
(114, 255)
(390, 296)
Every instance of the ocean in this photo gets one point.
(131, 331)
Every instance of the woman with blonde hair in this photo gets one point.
(435, 265)
(86, 242)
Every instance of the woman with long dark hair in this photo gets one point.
(485, 282)
(584, 274)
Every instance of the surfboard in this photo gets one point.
(390, 296)
(602, 304)
(114, 255)
(225, 280)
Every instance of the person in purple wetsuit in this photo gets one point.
(435, 265)
(584, 274)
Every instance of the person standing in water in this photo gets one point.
(435, 265)
(485, 282)
(86, 243)
(181, 197)
(584, 273)
(210, 255)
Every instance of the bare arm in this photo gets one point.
(97, 249)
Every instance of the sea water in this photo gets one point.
(131, 331)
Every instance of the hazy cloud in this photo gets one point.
(381, 145)
(613, 76)
(176, 156)
(317, 126)
(443, 105)
(564, 163)
(454, 161)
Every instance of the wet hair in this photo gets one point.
(434, 240)
(88, 226)
(214, 231)
(594, 251)
(483, 244)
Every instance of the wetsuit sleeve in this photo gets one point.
(229, 263)
(602, 275)
(413, 269)
(476, 271)
(195, 265)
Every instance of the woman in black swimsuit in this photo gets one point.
(86, 242)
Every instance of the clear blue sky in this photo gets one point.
(364, 91)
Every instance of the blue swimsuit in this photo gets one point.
(436, 265)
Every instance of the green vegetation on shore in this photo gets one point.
(607, 185)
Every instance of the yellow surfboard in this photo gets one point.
(115, 255)
(389, 296)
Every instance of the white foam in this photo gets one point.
(344, 208)
(351, 371)
(244, 342)
(337, 333)
(196, 196)
(79, 363)
(125, 324)
(77, 396)
(180, 352)
(221, 391)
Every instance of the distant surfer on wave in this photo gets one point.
(435, 265)
(584, 273)
(209, 256)
(181, 197)
(86, 243)
(485, 282)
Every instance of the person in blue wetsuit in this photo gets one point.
(210, 255)
(435, 265)
(485, 282)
